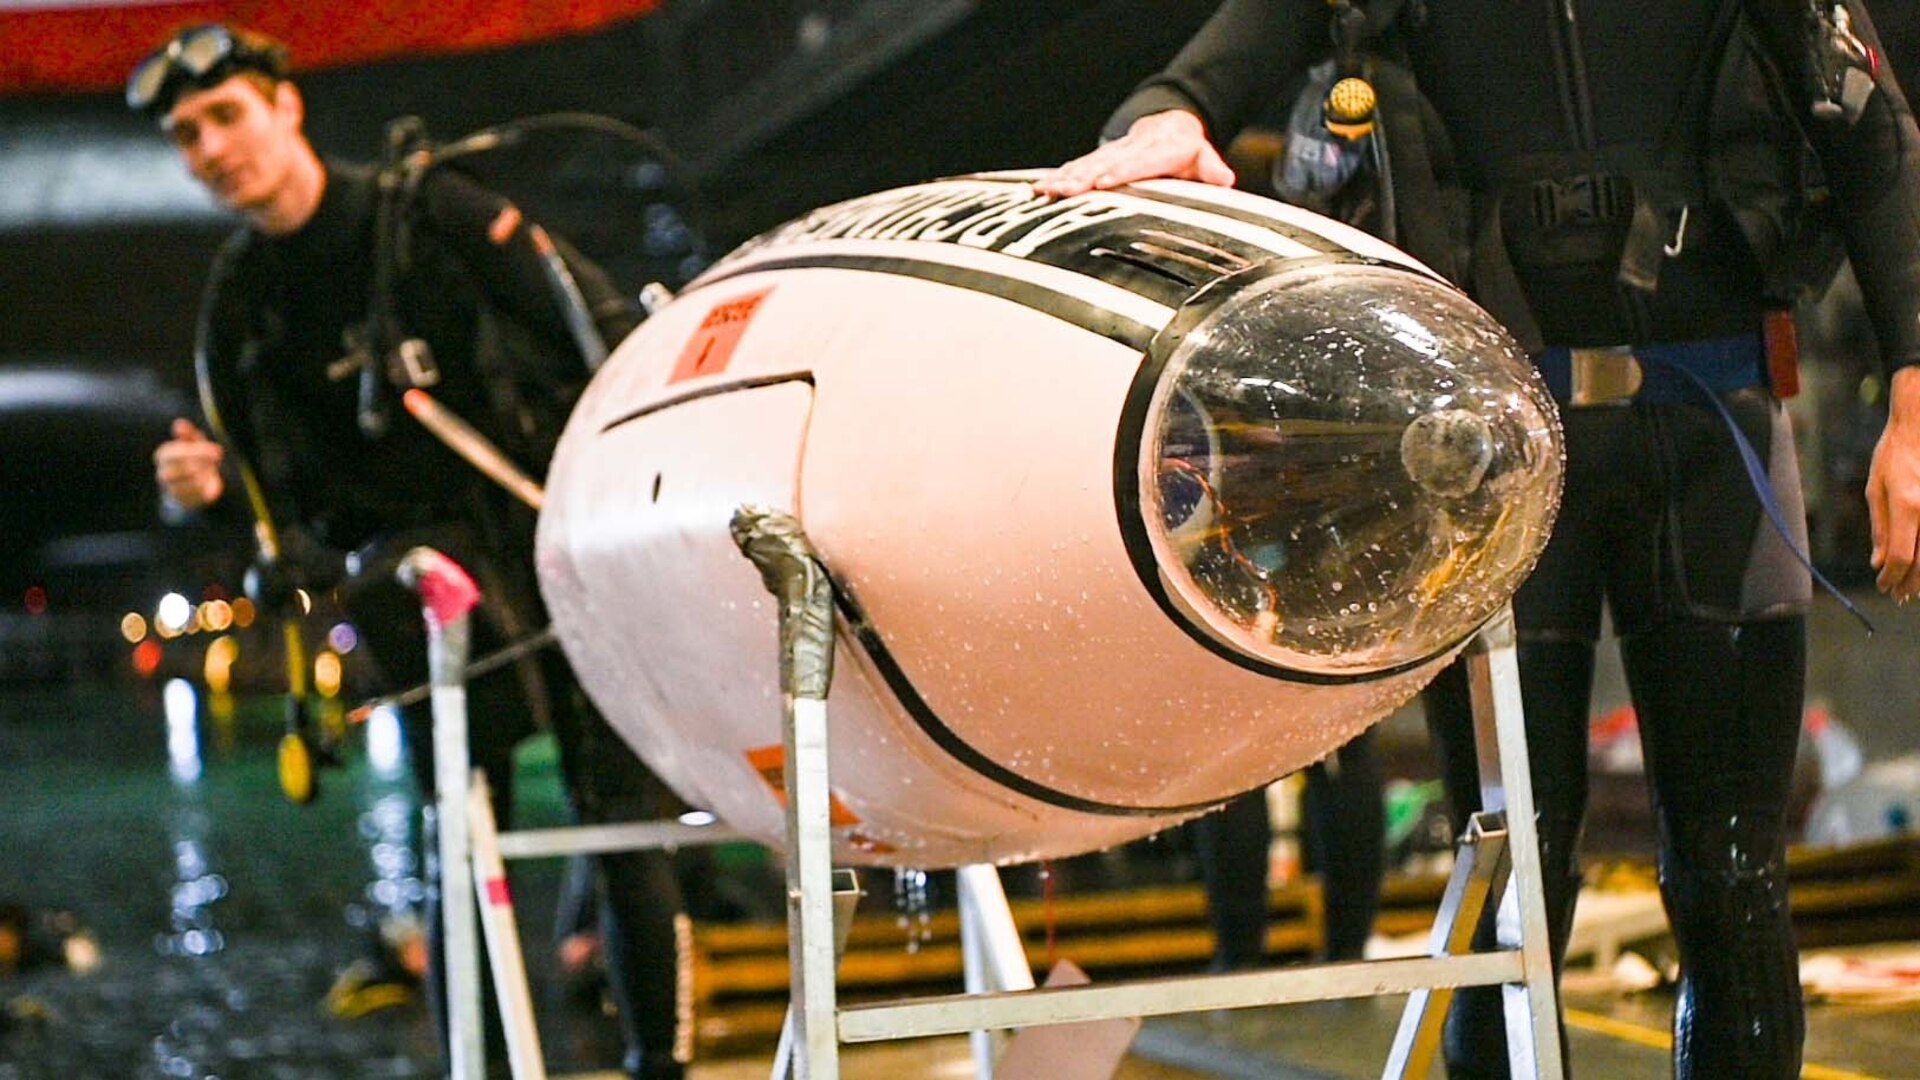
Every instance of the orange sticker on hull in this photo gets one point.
(771, 763)
(710, 349)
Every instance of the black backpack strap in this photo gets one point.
(1495, 285)
(1655, 234)
(1428, 207)
(377, 341)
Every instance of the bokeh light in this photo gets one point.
(219, 664)
(216, 615)
(385, 747)
(183, 729)
(343, 638)
(326, 673)
(146, 658)
(173, 614)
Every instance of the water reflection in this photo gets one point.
(384, 745)
(182, 706)
(195, 890)
(221, 910)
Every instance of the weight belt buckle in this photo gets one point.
(1605, 376)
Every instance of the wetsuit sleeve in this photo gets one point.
(1872, 165)
(1238, 63)
(496, 243)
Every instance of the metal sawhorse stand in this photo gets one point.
(1500, 847)
(472, 852)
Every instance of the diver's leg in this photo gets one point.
(1719, 708)
(1230, 845)
(1346, 830)
(644, 931)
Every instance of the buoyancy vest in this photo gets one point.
(1734, 146)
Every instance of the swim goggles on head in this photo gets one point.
(199, 56)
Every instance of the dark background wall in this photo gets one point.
(760, 110)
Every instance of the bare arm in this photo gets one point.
(1240, 60)
(1893, 492)
(1169, 144)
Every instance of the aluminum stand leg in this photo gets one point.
(1480, 869)
(503, 938)
(995, 958)
(1506, 784)
(810, 890)
(1500, 838)
(448, 596)
(793, 574)
(846, 898)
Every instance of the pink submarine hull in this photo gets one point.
(1007, 686)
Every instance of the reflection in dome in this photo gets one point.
(1350, 468)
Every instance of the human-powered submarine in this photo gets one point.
(1131, 502)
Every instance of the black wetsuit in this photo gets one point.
(272, 339)
(1658, 516)
(1343, 835)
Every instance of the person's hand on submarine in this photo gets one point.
(1162, 145)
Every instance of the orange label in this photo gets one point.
(710, 349)
(771, 763)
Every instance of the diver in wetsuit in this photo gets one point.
(304, 307)
(1633, 225)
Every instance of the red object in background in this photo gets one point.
(146, 658)
(1618, 723)
(35, 601)
(1783, 353)
(90, 45)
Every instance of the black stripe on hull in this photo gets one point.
(710, 390)
(1304, 237)
(966, 753)
(1084, 314)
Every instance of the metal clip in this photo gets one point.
(1844, 66)
(1679, 244)
(413, 364)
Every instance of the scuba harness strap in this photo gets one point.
(385, 355)
(1675, 182)
(306, 744)
(1731, 144)
(1420, 204)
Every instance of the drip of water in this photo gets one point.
(912, 907)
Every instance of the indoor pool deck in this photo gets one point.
(222, 912)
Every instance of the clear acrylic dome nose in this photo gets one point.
(1346, 468)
